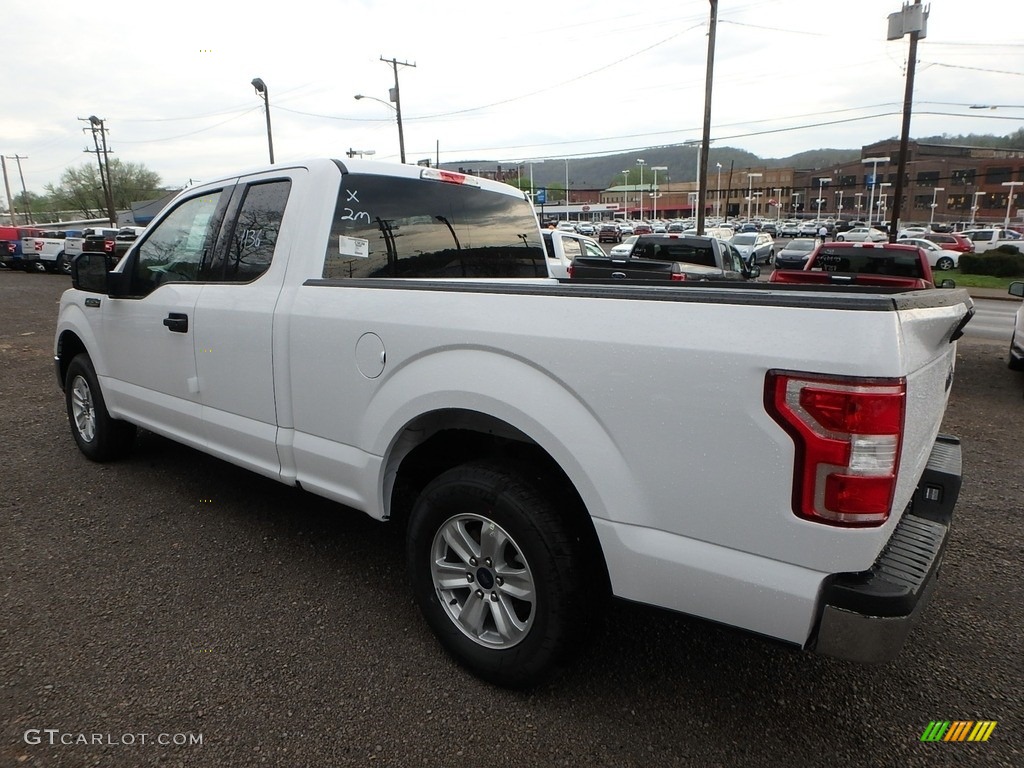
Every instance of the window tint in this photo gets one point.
(571, 248)
(869, 261)
(389, 227)
(246, 251)
(174, 250)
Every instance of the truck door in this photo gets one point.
(150, 365)
(234, 321)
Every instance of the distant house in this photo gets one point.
(143, 212)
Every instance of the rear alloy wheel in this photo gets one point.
(944, 264)
(63, 264)
(497, 573)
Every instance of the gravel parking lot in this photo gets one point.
(170, 598)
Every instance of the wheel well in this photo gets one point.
(68, 346)
(440, 441)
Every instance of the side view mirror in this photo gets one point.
(89, 272)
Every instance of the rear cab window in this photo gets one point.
(389, 227)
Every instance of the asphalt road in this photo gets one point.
(173, 597)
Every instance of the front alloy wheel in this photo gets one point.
(83, 411)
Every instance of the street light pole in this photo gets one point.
(874, 181)
(974, 207)
(262, 90)
(935, 192)
(821, 187)
(398, 116)
(1009, 200)
(656, 168)
(883, 198)
(640, 162)
(839, 208)
(625, 194)
(778, 206)
(718, 195)
(750, 190)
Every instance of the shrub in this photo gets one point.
(1004, 261)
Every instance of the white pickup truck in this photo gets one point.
(389, 337)
(991, 238)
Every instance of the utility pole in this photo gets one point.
(706, 138)
(398, 102)
(103, 160)
(24, 192)
(912, 19)
(7, 187)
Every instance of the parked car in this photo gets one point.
(862, 235)
(609, 232)
(795, 254)
(790, 229)
(809, 228)
(991, 238)
(1016, 361)
(626, 227)
(951, 241)
(562, 247)
(622, 250)
(586, 228)
(673, 258)
(755, 247)
(643, 229)
(908, 232)
(938, 257)
(893, 265)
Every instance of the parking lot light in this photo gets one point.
(821, 187)
(750, 189)
(874, 181)
(1009, 200)
(931, 219)
(264, 92)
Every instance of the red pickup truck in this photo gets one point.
(877, 264)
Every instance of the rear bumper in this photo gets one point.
(866, 616)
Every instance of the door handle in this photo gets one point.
(177, 322)
(614, 274)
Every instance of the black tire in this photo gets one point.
(99, 436)
(63, 264)
(497, 572)
(1014, 363)
(771, 258)
(840, 239)
(944, 264)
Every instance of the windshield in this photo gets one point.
(743, 239)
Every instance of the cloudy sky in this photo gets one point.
(509, 82)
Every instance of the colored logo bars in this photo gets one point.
(958, 730)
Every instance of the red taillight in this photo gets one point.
(108, 246)
(568, 270)
(678, 276)
(848, 435)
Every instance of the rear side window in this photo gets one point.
(391, 227)
(869, 261)
(246, 251)
(668, 249)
